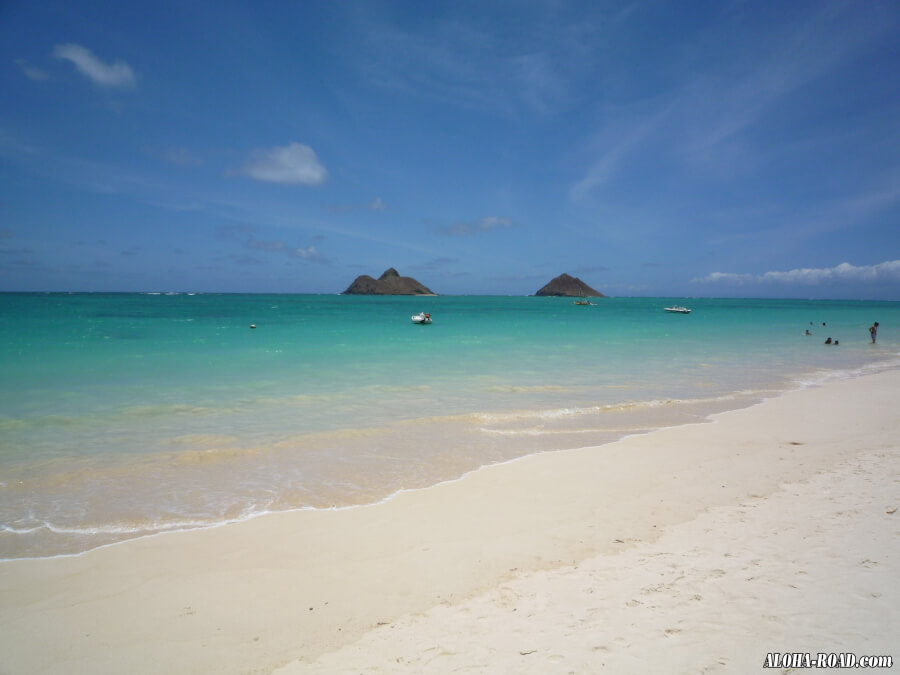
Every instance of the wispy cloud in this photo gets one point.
(709, 116)
(463, 64)
(246, 260)
(436, 264)
(117, 74)
(849, 211)
(463, 229)
(32, 72)
(803, 53)
(591, 270)
(376, 204)
(245, 233)
(181, 157)
(540, 85)
(292, 164)
(615, 145)
(888, 271)
(234, 231)
(310, 253)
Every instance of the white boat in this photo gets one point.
(422, 318)
(678, 309)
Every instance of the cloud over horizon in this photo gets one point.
(117, 74)
(886, 271)
(292, 164)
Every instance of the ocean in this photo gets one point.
(125, 415)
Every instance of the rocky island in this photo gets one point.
(389, 283)
(569, 286)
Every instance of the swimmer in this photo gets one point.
(873, 331)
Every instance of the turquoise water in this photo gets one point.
(123, 415)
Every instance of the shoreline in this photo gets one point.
(293, 586)
(742, 399)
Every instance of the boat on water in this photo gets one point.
(585, 302)
(422, 318)
(678, 309)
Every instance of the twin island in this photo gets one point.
(391, 283)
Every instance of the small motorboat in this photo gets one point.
(585, 302)
(422, 318)
(678, 309)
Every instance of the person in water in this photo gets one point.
(873, 331)
(828, 341)
(807, 332)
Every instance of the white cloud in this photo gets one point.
(306, 254)
(293, 164)
(118, 74)
(886, 271)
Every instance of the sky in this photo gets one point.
(683, 148)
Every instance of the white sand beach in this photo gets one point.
(692, 549)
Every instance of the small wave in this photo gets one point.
(558, 413)
(19, 423)
(174, 409)
(111, 529)
(11, 424)
(819, 377)
(122, 533)
(395, 388)
(525, 389)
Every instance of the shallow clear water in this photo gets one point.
(127, 414)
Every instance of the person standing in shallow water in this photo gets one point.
(873, 331)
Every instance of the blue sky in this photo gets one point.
(651, 148)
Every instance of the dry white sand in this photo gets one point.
(812, 568)
(693, 549)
